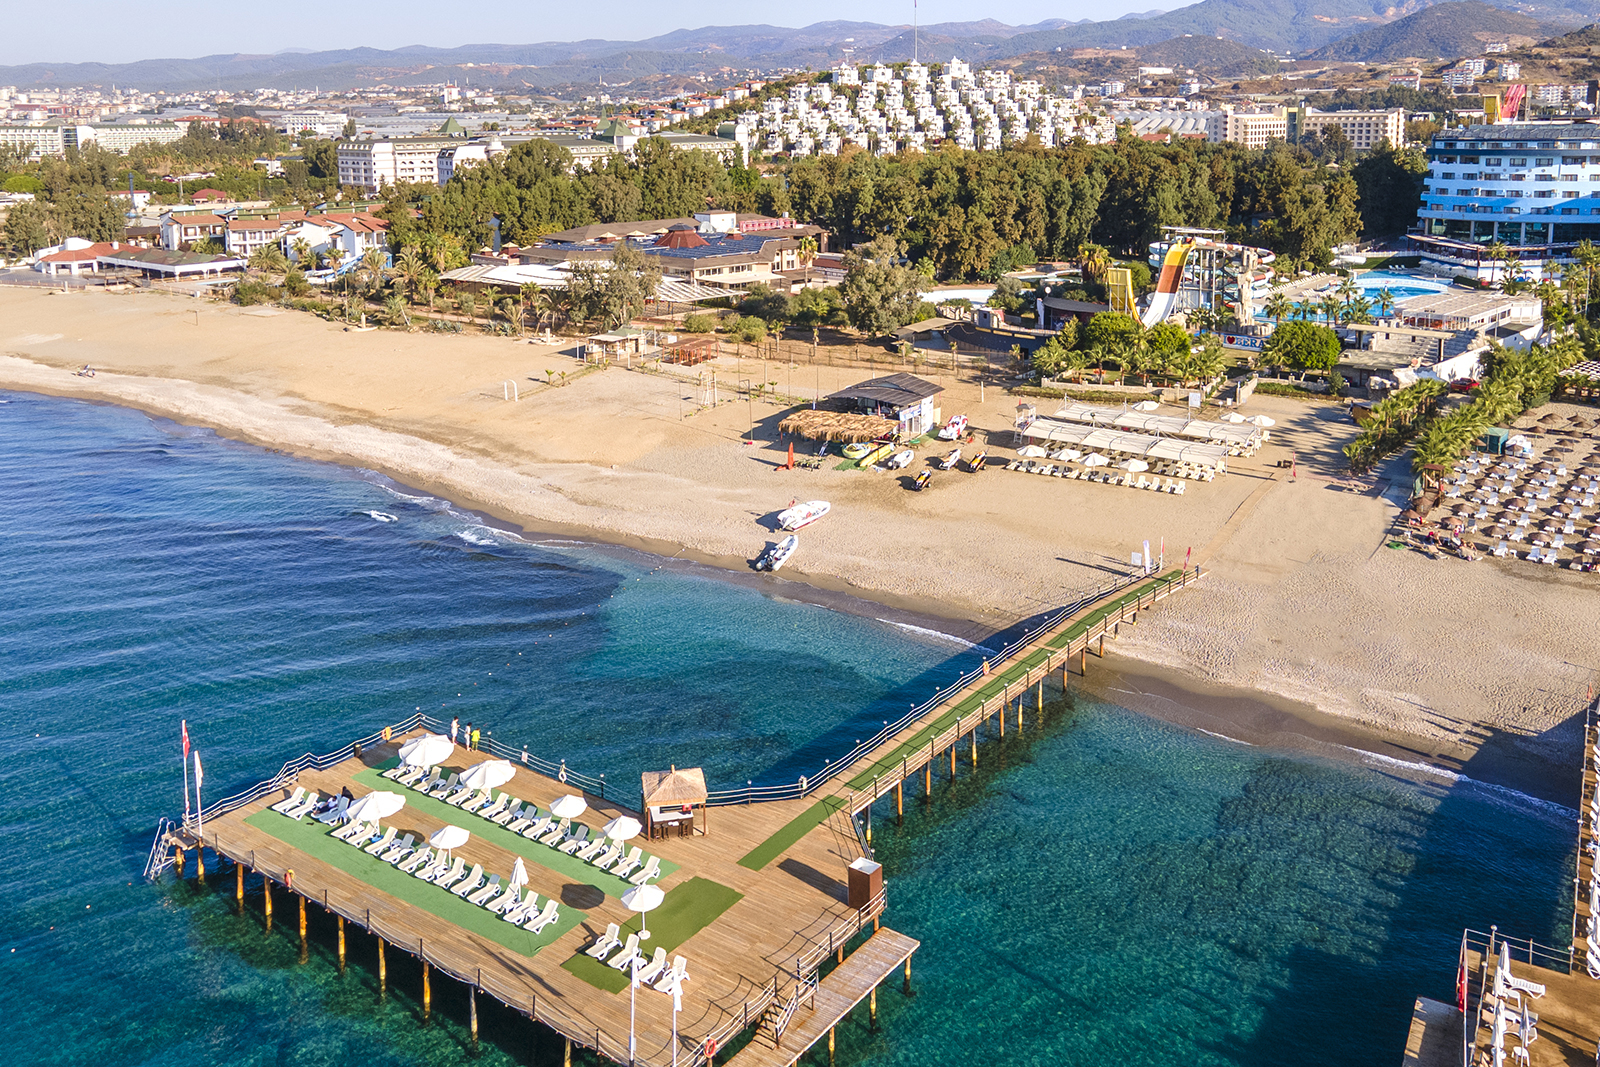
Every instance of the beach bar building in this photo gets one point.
(672, 798)
(905, 398)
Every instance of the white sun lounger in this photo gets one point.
(651, 870)
(306, 805)
(472, 881)
(412, 775)
(504, 902)
(538, 828)
(448, 875)
(442, 789)
(575, 840)
(335, 813)
(430, 780)
(674, 979)
(527, 906)
(503, 817)
(365, 836)
(481, 896)
(634, 858)
(555, 833)
(608, 941)
(414, 862)
(611, 855)
(494, 807)
(381, 843)
(349, 830)
(398, 771)
(653, 970)
(479, 804)
(398, 852)
(546, 916)
(461, 797)
(629, 953)
(593, 848)
(292, 801)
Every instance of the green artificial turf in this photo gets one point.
(570, 867)
(687, 909)
(316, 840)
(798, 827)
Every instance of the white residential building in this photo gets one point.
(373, 164)
(1365, 129)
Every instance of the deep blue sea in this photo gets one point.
(1109, 889)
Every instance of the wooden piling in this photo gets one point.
(927, 778)
(266, 898)
(952, 761)
(383, 970)
(1041, 696)
(341, 937)
(1002, 717)
(200, 861)
(830, 1044)
(1083, 662)
(302, 924)
(238, 885)
(566, 1052)
(872, 1008)
(177, 861)
(974, 747)
(869, 825)
(1019, 714)
(899, 802)
(908, 976)
(472, 1011)
(427, 993)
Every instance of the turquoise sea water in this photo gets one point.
(1109, 888)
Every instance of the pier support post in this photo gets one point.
(200, 861)
(908, 976)
(872, 1008)
(1041, 696)
(830, 1045)
(1002, 717)
(427, 992)
(383, 970)
(927, 779)
(869, 825)
(1102, 652)
(952, 761)
(1083, 662)
(899, 802)
(302, 928)
(1019, 706)
(266, 899)
(566, 1052)
(974, 746)
(177, 860)
(472, 1010)
(238, 885)
(341, 937)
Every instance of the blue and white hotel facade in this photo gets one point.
(1534, 187)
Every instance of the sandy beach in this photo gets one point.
(1302, 599)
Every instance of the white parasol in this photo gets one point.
(490, 774)
(1146, 405)
(519, 875)
(1069, 454)
(1031, 452)
(375, 806)
(429, 750)
(1134, 466)
(569, 807)
(449, 837)
(1262, 420)
(623, 828)
(1233, 416)
(643, 898)
(1095, 459)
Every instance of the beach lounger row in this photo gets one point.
(653, 971)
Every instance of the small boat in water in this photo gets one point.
(921, 481)
(951, 460)
(799, 515)
(901, 460)
(952, 430)
(775, 556)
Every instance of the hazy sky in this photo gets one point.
(115, 31)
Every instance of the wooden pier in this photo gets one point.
(758, 906)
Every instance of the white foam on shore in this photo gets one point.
(1502, 792)
(1224, 737)
(472, 538)
(937, 635)
(382, 516)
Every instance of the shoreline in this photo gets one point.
(1168, 693)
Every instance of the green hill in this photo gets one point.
(1444, 31)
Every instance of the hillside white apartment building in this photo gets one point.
(373, 164)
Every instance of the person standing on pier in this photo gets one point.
(455, 724)
(474, 744)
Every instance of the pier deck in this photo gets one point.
(786, 917)
(836, 996)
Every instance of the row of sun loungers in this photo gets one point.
(1592, 924)
(614, 857)
(653, 971)
(1088, 474)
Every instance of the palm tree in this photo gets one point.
(1347, 289)
(302, 251)
(1278, 306)
(1497, 253)
(1093, 260)
(1330, 309)
(334, 256)
(1358, 310)
(808, 250)
(1385, 302)
(409, 269)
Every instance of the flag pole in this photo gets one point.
(200, 824)
(185, 762)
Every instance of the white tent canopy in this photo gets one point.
(1245, 438)
(1141, 446)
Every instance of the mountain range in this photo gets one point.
(1375, 27)
(1444, 31)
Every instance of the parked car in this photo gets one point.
(1463, 385)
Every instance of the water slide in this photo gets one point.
(1166, 294)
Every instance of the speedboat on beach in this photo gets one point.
(793, 518)
(952, 430)
(921, 481)
(901, 460)
(777, 555)
(951, 460)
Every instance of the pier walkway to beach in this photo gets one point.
(777, 946)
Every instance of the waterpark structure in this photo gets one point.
(1197, 269)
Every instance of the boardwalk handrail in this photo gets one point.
(803, 988)
(1487, 945)
(807, 785)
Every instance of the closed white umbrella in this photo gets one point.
(643, 898)
(429, 750)
(490, 774)
(375, 806)
(569, 807)
(623, 828)
(519, 875)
